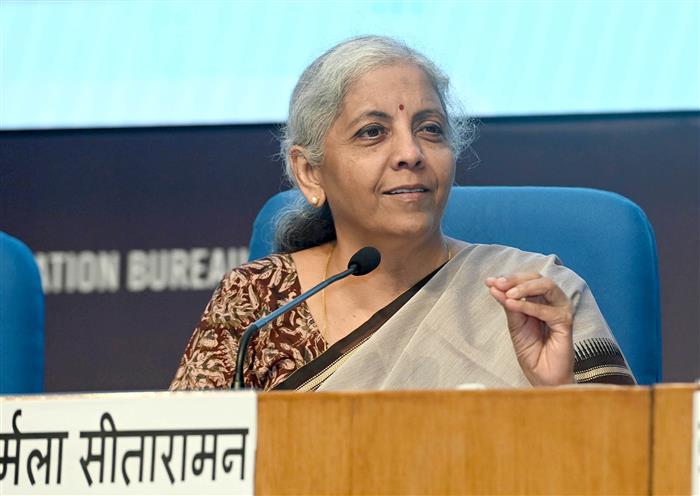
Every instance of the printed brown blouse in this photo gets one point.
(247, 293)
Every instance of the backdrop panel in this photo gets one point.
(134, 227)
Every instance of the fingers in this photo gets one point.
(542, 286)
(506, 282)
(498, 286)
(531, 294)
(527, 284)
(499, 295)
(556, 317)
(514, 318)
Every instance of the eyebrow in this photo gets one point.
(422, 114)
(376, 114)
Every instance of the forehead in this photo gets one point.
(390, 86)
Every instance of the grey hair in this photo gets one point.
(317, 101)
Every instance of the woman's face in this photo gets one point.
(388, 168)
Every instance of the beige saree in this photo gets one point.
(447, 330)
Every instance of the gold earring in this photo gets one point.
(314, 201)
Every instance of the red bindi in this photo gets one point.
(401, 106)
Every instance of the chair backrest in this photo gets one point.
(602, 236)
(21, 320)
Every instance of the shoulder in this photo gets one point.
(254, 288)
(500, 259)
(503, 254)
(273, 269)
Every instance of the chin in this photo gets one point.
(414, 230)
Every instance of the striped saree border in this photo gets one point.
(599, 360)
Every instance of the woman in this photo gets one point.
(371, 142)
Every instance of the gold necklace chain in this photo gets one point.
(323, 295)
(324, 329)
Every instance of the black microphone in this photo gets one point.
(363, 262)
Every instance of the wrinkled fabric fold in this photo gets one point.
(453, 332)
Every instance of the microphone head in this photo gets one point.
(365, 261)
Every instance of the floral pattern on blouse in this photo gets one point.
(247, 293)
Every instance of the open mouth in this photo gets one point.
(402, 191)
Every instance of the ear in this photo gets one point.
(308, 176)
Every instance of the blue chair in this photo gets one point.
(21, 320)
(602, 236)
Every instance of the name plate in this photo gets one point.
(129, 443)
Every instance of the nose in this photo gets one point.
(407, 151)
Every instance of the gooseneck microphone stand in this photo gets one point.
(364, 261)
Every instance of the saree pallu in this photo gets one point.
(448, 330)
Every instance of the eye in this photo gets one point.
(432, 128)
(373, 131)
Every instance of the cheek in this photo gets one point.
(445, 166)
(343, 185)
(450, 161)
(353, 176)
(451, 175)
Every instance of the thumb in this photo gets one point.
(514, 318)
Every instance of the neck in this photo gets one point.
(404, 262)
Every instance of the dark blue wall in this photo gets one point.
(83, 196)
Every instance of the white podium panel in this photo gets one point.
(129, 443)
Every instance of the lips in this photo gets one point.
(407, 189)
